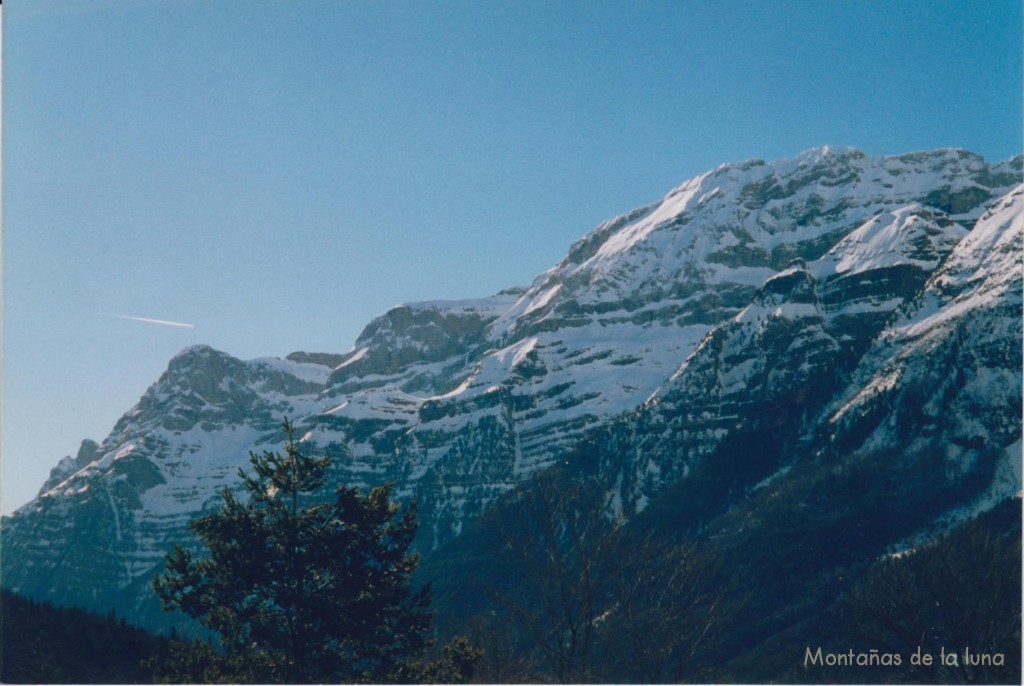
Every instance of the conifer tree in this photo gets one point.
(299, 592)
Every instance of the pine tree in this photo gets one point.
(299, 592)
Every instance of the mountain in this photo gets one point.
(42, 644)
(761, 317)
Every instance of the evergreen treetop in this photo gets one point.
(296, 592)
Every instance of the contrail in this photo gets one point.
(155, 321)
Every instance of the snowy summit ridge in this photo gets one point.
(822, 282)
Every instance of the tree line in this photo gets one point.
(43, 644)
(289, 588)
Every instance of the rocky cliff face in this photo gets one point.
(831, 297)
(913, 347)
(945, 375)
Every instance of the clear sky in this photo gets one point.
(278, 173)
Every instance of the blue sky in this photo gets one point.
(278, 173)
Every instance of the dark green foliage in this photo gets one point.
(743, 575)
(297, 592)
(555, 539)
(452, 664)
(45, 644)
(555, 590)
(196, 661)
(667, 605)
(455, 665)
(959, 591)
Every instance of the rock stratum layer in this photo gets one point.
(834, 302)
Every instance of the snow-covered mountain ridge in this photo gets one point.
(822, 282)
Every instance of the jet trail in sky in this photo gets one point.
(164, 322)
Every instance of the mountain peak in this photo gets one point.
(197, 350)
(740, 299)
(829, 153)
